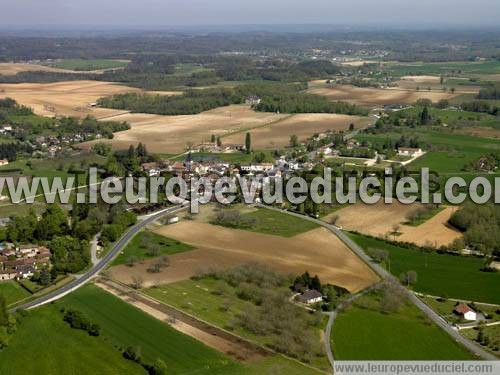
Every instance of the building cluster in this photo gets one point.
(218, 148)
(21, 262)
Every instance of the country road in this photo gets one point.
(94, 271)
(384, 274)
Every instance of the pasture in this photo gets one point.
(455, 67)
(440, 274)
(10, 69)
(362, 332)
(317, 251)
(12, 292)
(90, 64)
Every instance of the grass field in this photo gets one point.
(364, 333)
(278, 224)
(493, 334)
(90, 64)
(125, 325)
(461, 68)
(12, 291)
(45, 344)
(166, 246)
(440, 274)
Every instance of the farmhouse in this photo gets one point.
(465, 312)
(4, 162)
(310, 297)
(411, 152)
(253, 100)
(152, 169)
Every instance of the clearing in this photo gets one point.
(317, 251)
(373, 96)
(380, 219)
(277, 134)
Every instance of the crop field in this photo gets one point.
(12, 292)
(364, 333)
(373, 96)
(42, 341)
(135, 248)
(440, 274)
(90, 64)
(64, 98)
(461, 68)
(380, 219)
(317, 251)
(171, 134)
(277, 134)
(126, 325)
(10, 69)
(424, 83)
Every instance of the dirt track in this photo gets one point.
(211, 336)
(317, 251)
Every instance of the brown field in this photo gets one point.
(303, 125)
(317, 251)
(379, 220)
(171, 134)
(480, 132)
(373, 96)
(10, 69)
(70, 98)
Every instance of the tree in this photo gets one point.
(294, 141)
(351, 126)
(248, 143)
(159, 368)
(408, 278)
(425, 117)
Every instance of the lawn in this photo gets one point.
(277, 223)
(45, 344)
(90, 64)
(12, 291)
(364, 333)
(440, 274)
(165, 246)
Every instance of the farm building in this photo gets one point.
(411, 152)
(465, 312)
(310, 296)
(252, 100)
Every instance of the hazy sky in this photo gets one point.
(230, 12)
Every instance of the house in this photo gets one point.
(7, 275)
(465, 311)
(253, 100)
(411, 152)
(152, 169)
(310, 297)
(3, 162)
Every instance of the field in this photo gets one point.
(171, 134)
(134, 248)
(373, 96)
(423, 83)
(90, 64)
(317, 251)
(12, 291)
(364, 333)
(459, 68)
(9, 69)
(42, 345)
(380, 219)
(277, 134)
(440, 274)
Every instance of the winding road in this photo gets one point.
(384, 274)
(104, 261)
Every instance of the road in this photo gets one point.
(94, 271)
(384, 274)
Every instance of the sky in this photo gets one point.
(171, 13)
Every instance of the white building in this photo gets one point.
(465, 312)
(411, 152)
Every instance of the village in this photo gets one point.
(22, 261)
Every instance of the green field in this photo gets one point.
(493, 334)
(166, 246)
(45, 344)
(90, 64)
(12, 291)
(364, 333)
(188, 69)
(278, 224)
(440, 274)
(465, 68)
